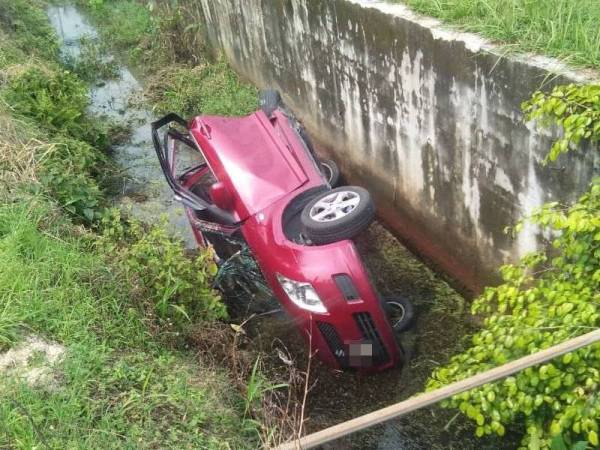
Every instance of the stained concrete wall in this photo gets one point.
(426, 118)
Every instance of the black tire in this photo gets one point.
(400, 312)
(270, 100)
(332, 228)
(331, 171)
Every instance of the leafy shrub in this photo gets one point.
(56, 101)
(70, 171)
(546, 298)
(177, 287)
(576, 109)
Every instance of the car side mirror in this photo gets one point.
(220, 196)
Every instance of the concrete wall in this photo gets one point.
(426, 118)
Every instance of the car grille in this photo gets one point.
(334, 342)
(370, 333)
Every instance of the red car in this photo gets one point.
(257, 177)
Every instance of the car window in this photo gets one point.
(189, 163)
(184, 158)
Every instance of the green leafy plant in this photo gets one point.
(56, 101)
(544, 299)
(70, 170)
(576, 109)
(91, 64)
(257, 387)
(177, 286)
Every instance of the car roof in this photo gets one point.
(256, 164)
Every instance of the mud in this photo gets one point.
(442, 313)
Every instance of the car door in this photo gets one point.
(191, 180)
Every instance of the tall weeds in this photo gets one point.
(565, 29)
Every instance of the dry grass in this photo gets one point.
(279, 413)
(18, 150)
(21, 151)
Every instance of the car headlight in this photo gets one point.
(302, 294)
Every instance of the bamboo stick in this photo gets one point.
(428, 398)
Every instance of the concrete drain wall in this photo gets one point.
(428, 119)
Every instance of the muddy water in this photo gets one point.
(442, 319)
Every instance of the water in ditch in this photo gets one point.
(442, 317)
(142, 187)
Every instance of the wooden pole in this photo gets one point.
(428, 398)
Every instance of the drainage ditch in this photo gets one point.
(442, 313)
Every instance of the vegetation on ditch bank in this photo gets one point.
(117, 294)
(165, 40)
(564, 29)
(545, 299)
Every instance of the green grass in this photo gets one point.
(164, 44)
(126, 22)
(566, 29)
(118, 386)
(30, 32)
(210, 88)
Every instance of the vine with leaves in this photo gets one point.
(544, 299)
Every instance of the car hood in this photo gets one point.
(256, 164)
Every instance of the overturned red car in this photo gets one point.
(257, 178)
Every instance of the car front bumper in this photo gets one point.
(354, 332)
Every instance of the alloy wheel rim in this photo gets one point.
(334, 206)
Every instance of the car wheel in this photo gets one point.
(270, 100)
(337, 214)
(400, 312)
(331, 171)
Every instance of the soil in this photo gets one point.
(33, 361)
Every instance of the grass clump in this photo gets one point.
(564, 29)
(210, 88)
(91, 64)
(127, 23)
(25, 22)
